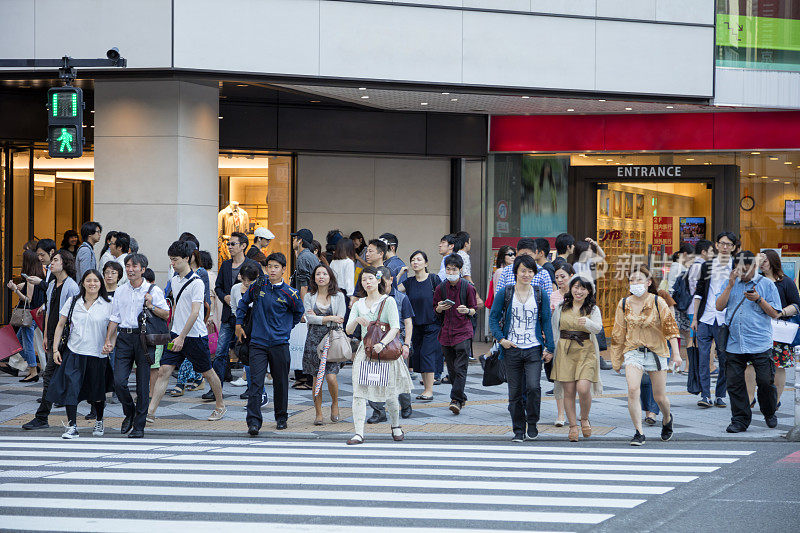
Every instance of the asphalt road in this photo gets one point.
(116, 484)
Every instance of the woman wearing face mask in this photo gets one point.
(563, 274)
(364, 311)
(576, 362)
(642, 327)
(426, 352)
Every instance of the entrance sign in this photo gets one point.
(649, 172)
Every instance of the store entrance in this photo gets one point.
(643, 214)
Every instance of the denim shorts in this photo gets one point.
(645, 361)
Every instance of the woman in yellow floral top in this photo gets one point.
(642, 327)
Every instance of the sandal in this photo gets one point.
(425, 398)
(301, 385)
(196, 385)
(560, 423)
(586, 428)
(335, 417)
(573, 433)
(398, 437)
(650, 421)
(318, 422)
(355, 439)
(175, 392)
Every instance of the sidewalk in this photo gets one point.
(485, 415)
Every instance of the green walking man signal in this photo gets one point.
(65, 122)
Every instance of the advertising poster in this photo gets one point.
(544, 196)
(692, 229)
(506, 208)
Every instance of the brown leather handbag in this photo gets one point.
(376, 330)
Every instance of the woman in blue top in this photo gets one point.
(426, 352)
(526, 342)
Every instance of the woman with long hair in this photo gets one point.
(84, 372)
(325, 309)
(344, 266)
(426, 352)
(71, 241)
(782, 354)
(563, 275)
(576, 361)
(31, 296)
(397, 379)
(643, 325)
(360, 244)
(505, 256)
(316, 249)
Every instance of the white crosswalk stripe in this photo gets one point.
(117, 485)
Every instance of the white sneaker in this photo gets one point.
(99, 429)
(71, 433)
(241, 382)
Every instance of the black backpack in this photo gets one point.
(242, 348)
(680, 292)
(509, 293)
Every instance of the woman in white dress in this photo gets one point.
(364, 311)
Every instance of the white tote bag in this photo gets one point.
(783, 331)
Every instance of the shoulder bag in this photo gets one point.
(725, 330)
(62, 342)
(339, 349)
(154, 330)
(21, 316)
(376, 330)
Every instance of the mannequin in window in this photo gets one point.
(232, 218)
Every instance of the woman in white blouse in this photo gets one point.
(84, 372)
(344, 266)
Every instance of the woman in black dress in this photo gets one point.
(84, 372)
(426, 352)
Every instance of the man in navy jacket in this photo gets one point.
(277, 308)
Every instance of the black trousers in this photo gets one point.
(277, 357)
(457, 360)
(45, 407)
(737, 390)
(129, 350)
(523, 366)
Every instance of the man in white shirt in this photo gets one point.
(189, 333)
(707, 321)
(446, 246)
(129, 300)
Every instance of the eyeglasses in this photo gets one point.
(233, 244)
(510, 254)
(723, 243)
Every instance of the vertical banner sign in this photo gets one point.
(662, 233)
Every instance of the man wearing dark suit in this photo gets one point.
(226, 279)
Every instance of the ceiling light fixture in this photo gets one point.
(364, 97)
(570, 110)
(454, 99)
(785, 182)
(525, 97)
(670, 107)
(755, 153)
(788, 163)
(315, 101)
(601, 100)
(362, 88)
(690, 158)
(628, 109)
(445, 94)
(423, 103)
(776, 180)
(773, 158)
(241, 85)
(752, 174)
(220, 117)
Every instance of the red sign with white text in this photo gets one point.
(662, 233)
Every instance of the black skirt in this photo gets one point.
(80, 378)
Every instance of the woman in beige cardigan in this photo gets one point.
(576, 362)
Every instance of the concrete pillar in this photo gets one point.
(156, 163)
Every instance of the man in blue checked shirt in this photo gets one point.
(750, 302)
(525, 246)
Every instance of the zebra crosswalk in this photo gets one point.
(108, 484)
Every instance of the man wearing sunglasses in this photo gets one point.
(228, 277)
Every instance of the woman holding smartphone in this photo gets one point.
(31, 296)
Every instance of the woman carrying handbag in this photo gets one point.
(325, 307)
(83, 372)
(379, 373)
(31, 296)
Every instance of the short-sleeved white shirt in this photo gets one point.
(523, 322)
(194, 292)
(129, 302)
(88, 329)
(466, 270)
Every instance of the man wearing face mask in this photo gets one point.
(455, 302)
(707, 321)
(749, 302)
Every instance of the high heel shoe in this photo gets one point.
(573, 433)
(29, 379)
(586, 429)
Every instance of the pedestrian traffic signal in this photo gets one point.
(65, 122)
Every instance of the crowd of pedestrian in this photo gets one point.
(364, 306)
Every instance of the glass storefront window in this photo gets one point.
(255, 191)
(758, 34)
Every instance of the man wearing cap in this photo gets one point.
(261, 239)
(306, 260)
